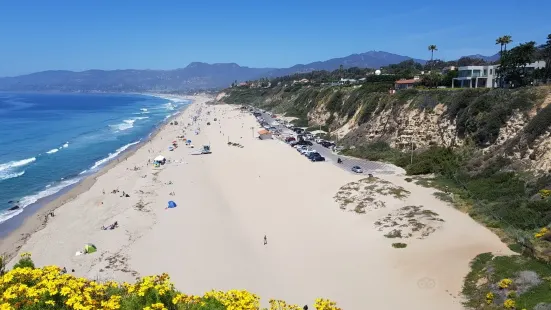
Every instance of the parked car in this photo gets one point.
(317, 158)
(313, 154)
(307, 153)
(290, 139)
(357, 169)
(304, 142)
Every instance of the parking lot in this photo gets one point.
(331, 157)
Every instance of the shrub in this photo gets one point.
(26, 288)
(399, 245)
(25, 261)
(538, 125)
(435, 160)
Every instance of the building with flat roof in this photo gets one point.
(484, 76)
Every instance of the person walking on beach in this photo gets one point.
(265, 240)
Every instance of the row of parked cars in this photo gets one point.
(304, 147)
(310, 153)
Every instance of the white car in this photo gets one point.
(308, 152)
(357, 169)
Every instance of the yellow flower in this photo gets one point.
(505, 283)
(47, 286)
(489, 298)
(158, 306)
(509, 304)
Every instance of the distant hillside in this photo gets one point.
(197, 75)
(372, 59)
(485, 58)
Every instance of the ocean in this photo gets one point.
(49, 142)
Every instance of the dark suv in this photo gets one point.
(316, 157)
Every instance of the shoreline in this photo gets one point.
(35, 217)
(231, 199)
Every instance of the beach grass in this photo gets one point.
(495, 279)
(399, 245)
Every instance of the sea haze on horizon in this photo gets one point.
(51, 141)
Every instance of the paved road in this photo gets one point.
(348, 162)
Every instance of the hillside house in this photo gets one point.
(347, 81)
(406, 84)
(484, 76)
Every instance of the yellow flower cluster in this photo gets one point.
(545, 193)
(282, 305)
(235, 299)
(489, 298)
(542, 232)
(505, 283)
(49, 288)
(325, 304)
(509, 304)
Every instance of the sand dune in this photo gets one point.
(227, 202)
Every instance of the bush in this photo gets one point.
(538, 125)
(25, 261)
(435, 160)
(399, 245)
(26, 288)
(376, 151)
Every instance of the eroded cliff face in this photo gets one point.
(403, 128)
(407, 124)
(511, 123)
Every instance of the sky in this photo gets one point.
(167, 34)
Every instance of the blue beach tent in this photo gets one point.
(171, 204)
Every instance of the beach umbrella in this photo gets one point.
(89, 248)
(159, 158)
(171, 204)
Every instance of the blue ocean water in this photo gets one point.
(51, 141)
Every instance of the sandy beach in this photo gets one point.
(318, 244)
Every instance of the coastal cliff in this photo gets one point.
(512, 123)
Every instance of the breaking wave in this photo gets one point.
(113, 155)
(27, 200)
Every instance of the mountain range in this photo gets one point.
(196, 76)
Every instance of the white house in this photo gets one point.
(347, 81)
(484, 76)
(475, 76)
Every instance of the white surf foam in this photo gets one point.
(125, 125)
(27, 200)
(5, 176)
(53, 151)
(17, 163)
(113, 155)
(66, 145)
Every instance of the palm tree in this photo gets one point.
(432, 48)
(503, 41)
(506, 40)
(500, 42)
